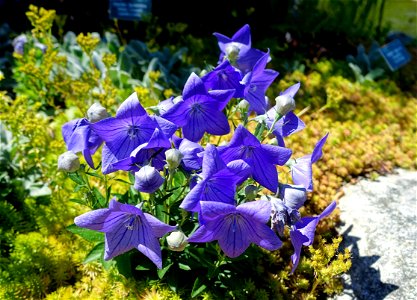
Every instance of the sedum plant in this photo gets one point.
(202, 184)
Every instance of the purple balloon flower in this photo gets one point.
(126, 227)
(303, 232)
(130, 128)
(236, 227)
(256, 83)
(218, 180)
(200, 111)
(225, 77)
(302, 171)
(79, 137)
(238, 49)
(191, 160)
(261, 157)
(148, 180)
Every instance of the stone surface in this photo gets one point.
(379, 226)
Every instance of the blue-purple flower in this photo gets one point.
(303, 233)
(225, 77)
(262, 158)
(130, 128)
(218, 180)
(256, 83)
(79, 137)
(200, 110)
(235, 228)
(301, 169)
(126, 227)
(238, 49)
(191, 160)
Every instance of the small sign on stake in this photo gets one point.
(129, 10)
(395, 54)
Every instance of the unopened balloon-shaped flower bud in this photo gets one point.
(148, 180)
(177, 241)
(68, 162)
(243, 104)
(251, 191)
(173, 158)
(96, 113)
(284, 104)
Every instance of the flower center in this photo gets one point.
(133, 131)
(130, 222)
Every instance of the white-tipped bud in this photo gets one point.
(96, 113)
(243, 104)
(284, 104)
(148, 180)
(68, 162)
(251, 191)
(173, 158)
(177, 241)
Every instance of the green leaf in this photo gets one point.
(198, 287)
(142, 268)
(79, 201)
(76, 178)
(184, 267)
(99, 197)
(96, 253)
(95, 175)
(124, 265)
(87, 234)
(162, 272)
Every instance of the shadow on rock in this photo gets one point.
(365, 281)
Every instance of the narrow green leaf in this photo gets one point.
(94, 174)
(87, 234)
(184, 267)
(76, 178)
(198, 287)
(162, 272)
(96, 253)
(99, 197)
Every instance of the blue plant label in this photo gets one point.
(395, 54)
(130, 10)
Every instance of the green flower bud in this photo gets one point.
(68, 162)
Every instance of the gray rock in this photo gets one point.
(379, 226)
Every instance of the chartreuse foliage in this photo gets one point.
(372, 131)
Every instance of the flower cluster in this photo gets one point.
(233, 188)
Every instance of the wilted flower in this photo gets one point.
(68, 162)
(148, 179)
(301, 169)
(303, 232)
(126, 227)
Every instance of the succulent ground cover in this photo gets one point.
(372, 128)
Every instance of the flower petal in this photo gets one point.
(297, 240)
(276, 154)
(212, 163)
(130, 108)
(264, 172)
(302, 172)
(194, 86)
(103, 220)
(202, 235)
(259, 210)
(233, 235)
(159, 229)
(317, 152)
